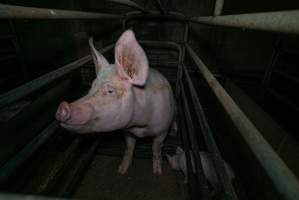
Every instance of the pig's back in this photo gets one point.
(157, 102)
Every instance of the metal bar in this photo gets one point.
(287, 76)
(218, 7)
(22, 12)
(283, 178)
(209, 139)
(280, 21)
(77, 173)
(41, 81)
(193, 190)
(6, 196)
(59, 167)
(129, 4)
(24, 126)
(160, 7)
(27, 151)
(171, 16)
(194, 146)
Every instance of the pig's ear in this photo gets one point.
(98, 59)
(131, 59)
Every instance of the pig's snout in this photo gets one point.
(63, 112)
(74, 114)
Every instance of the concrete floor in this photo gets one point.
(102, 181)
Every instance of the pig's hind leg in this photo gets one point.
(128, 155)
(157, 148)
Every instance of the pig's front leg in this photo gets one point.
(128, 156)
(157, 158)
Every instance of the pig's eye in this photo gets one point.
(110, 90)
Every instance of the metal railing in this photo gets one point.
(280, 21)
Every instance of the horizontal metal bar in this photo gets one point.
(6, 196)
(209, 139)
(78, 170)
(283, 178)
(9, 167)
(41, 81)
(287, 76)
(173, 16)
(280, 21)
(22, 12)
(129, 4)
(59, 167)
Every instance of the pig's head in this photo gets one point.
(109, 104)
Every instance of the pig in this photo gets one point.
(127, 95)
(178, 162)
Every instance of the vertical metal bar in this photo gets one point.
(283, 178)
(195, 147)
(218, 7)
(186, 145)
(209, 140)
(160, 7)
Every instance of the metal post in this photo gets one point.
(41, 81)
(280, 21)
(204, 189)
(218, 7)
(22, 12)
(209, 139)
(283, 178)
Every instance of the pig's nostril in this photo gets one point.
(63, 112)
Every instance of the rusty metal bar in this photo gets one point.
(22, 12)
(129, 4)
(41, 81)
(218, 7)
(282, 177)
(279, 21)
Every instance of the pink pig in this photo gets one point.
(126, 95)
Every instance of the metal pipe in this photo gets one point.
(41, 81)
(194, 146)
(218, 7)
(59, 167)
(78, 170)
(209, 139)
(160, 7)
(9, 167)
(280, 21)
(129, 4)
(182, 127)
(283, 178)
(22, 12)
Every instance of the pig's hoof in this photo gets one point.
(157, 167)
(122, 169)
